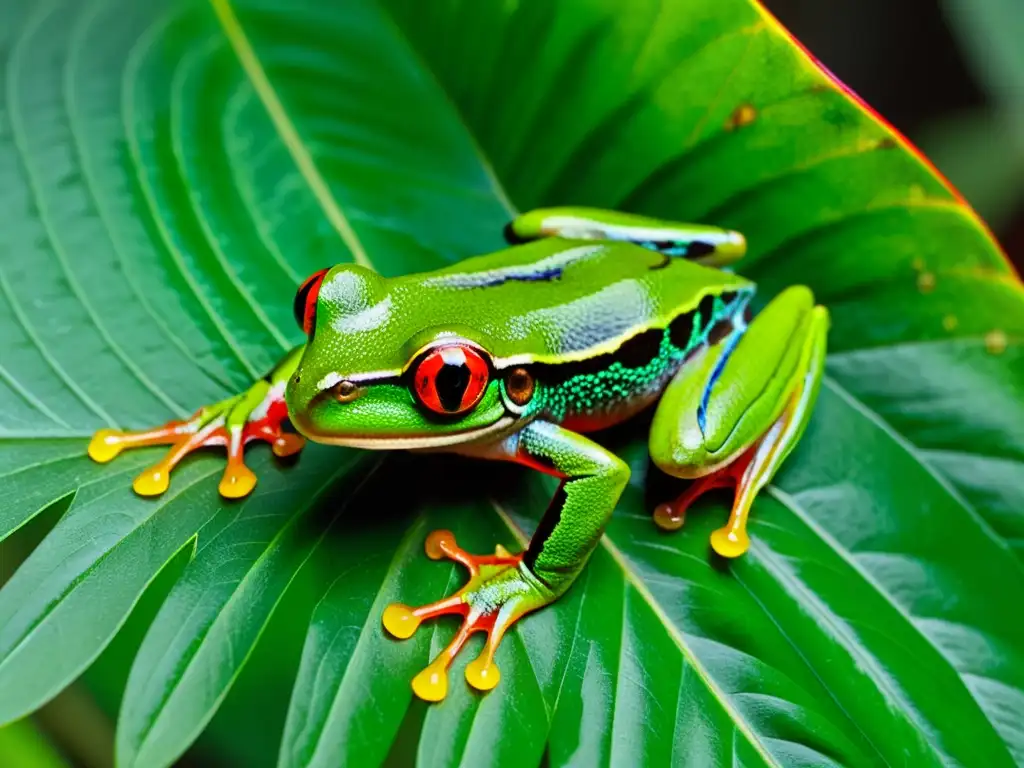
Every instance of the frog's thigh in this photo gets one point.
(707, 245)
(752, 402)
(720, 403)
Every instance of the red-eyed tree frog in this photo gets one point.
(587, 319)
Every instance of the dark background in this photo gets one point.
(949, 74)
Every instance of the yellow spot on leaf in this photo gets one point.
(743, 115)
(926, 282)
(996, 342)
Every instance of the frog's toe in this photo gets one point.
(482, 673)
(286, 444)
(730, 542)
(258, 414)
(238, 481)
(185, 437)
(401, 621)
(105, 445)
(152, 481)
(497, 595)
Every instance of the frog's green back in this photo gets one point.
(550, 301)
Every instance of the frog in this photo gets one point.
(587, 319)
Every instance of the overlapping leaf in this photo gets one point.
(171, 169)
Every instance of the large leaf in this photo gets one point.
(22, 745)
(171, 169)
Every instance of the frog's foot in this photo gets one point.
(499, 592)
(731, 540)
(257, 414)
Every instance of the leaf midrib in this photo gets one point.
(634, 580)
(793, 506)
(739, 721)
(128, 110)
(290, 136)
(239, 41)
(849, 641)
(91, 186)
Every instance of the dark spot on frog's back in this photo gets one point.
(699, 248)
(720, 330)
(706, 308)
(665, 261)
(681, 330)
(511, 237)
(492, 279)
(636, 352)
(640, 350)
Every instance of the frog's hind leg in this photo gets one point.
(735, 412)
(706, 245)
(401, 621)
(256, 414)
(748, 473)
(503, 588)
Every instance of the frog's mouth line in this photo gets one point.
(415, 442)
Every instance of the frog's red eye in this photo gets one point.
(450, 379)
(305, 301)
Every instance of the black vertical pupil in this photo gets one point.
(451, 382)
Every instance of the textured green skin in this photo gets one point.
(597, 224)
(748, 396)
(549, 305)
(598, 478)
(368, 324)
(608, 393)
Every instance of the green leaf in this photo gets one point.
(172, 169)
(982, 152)
(23, 746)
(214, 615)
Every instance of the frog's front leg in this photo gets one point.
(710, 246)
(256, 414)
(736, 410)
(502, 587)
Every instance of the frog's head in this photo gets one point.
(379, 372)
